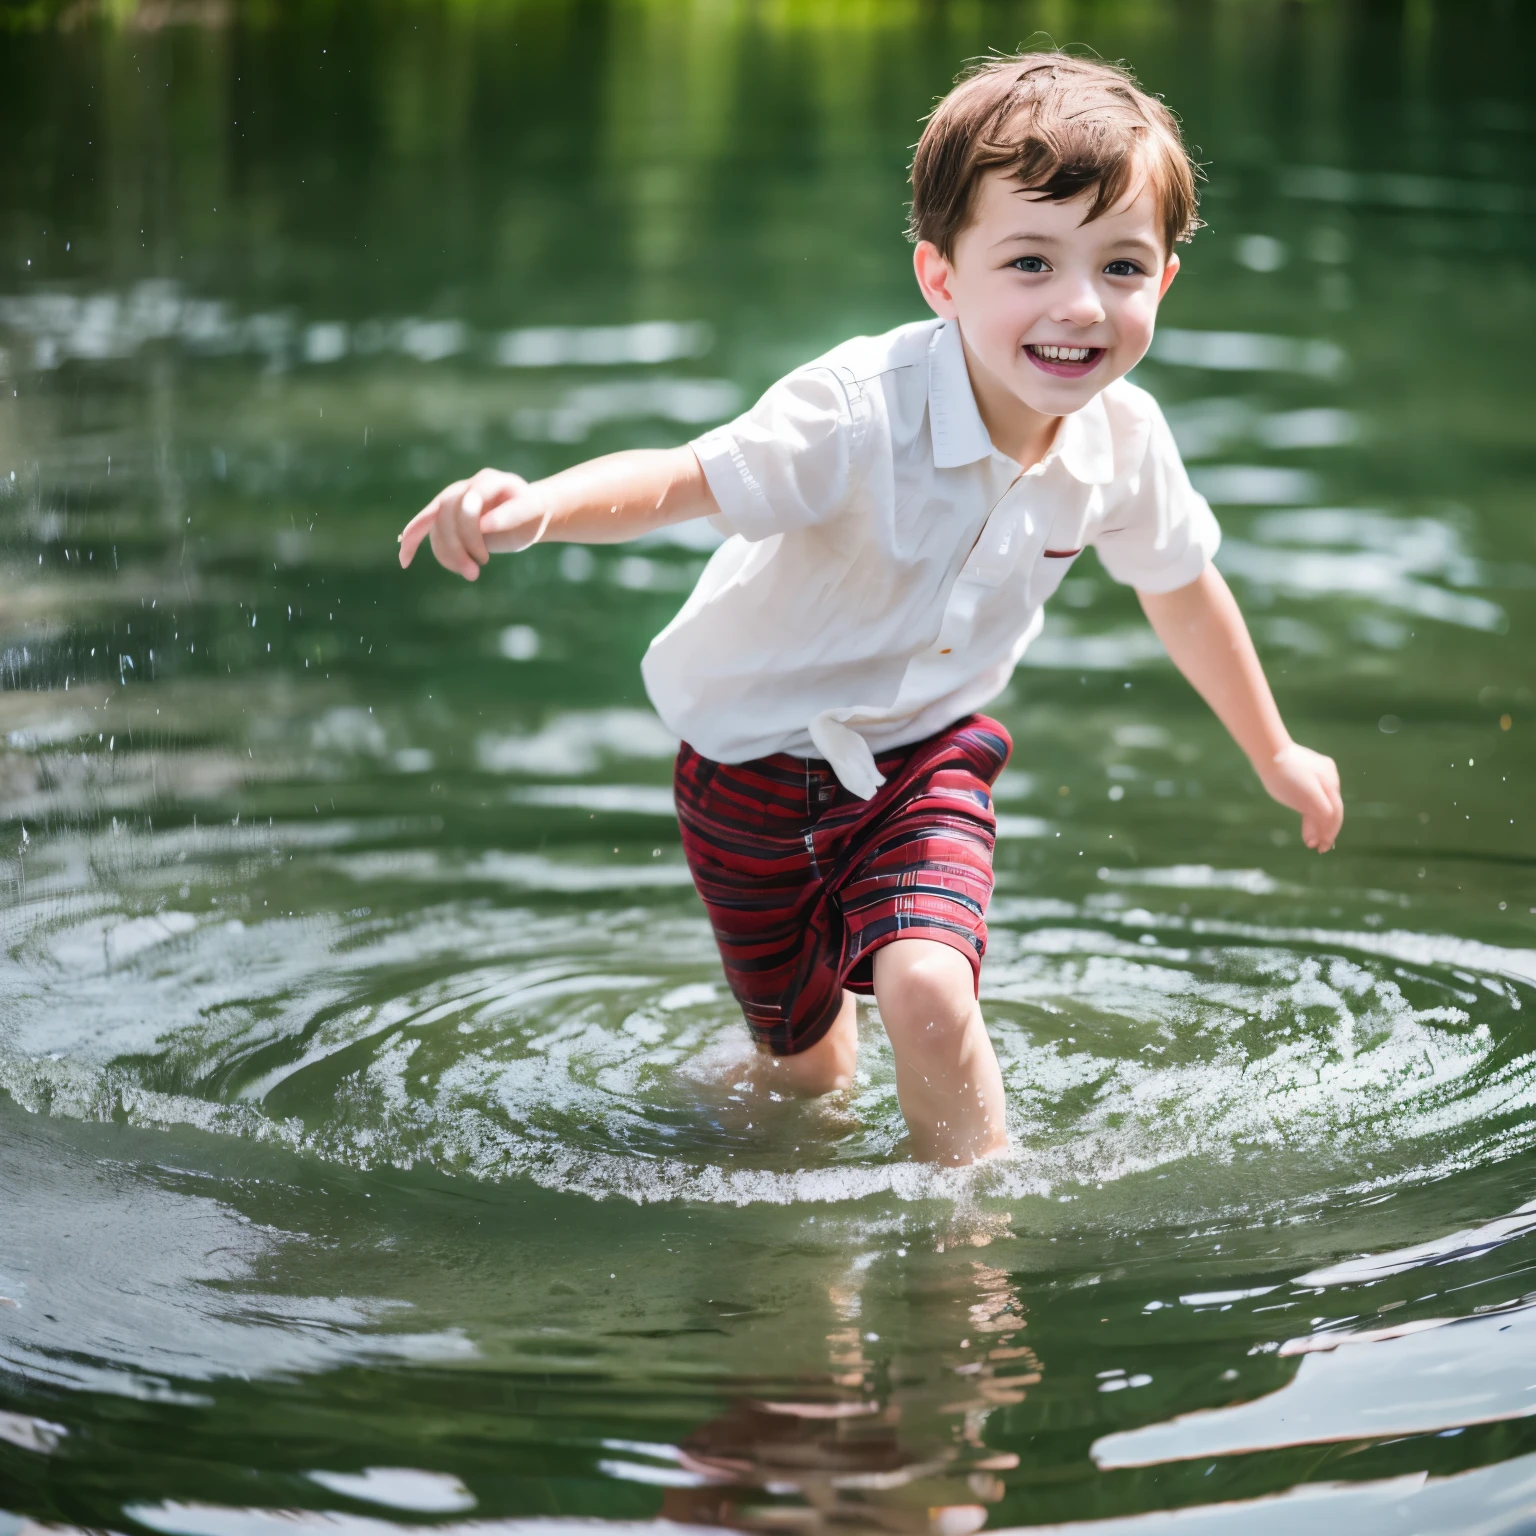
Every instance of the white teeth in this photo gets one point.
(1057, 354)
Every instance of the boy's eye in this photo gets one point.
(1123, 268)
(1029, 264)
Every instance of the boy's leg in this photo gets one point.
(947, 1076)
(825, 1067)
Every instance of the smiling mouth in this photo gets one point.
(1065, 362)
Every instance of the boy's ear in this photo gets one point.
(1170, 272)
(934, 277)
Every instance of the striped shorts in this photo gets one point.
(803, 881)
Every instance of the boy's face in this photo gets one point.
(1052, 309)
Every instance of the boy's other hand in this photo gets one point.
(456, 520)
(1308, 783)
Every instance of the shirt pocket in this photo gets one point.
(1064, 542)
(1068, 535)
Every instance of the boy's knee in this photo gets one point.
(926, 992)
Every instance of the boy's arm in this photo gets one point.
(1204, 633)
(603, 501)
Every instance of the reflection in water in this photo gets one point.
(62, 327)
(868, 1455)
(1469, 1243)
(1417, 1378)
(1492, 1501)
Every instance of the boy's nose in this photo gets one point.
(1078, 304)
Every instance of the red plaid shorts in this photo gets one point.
(803, 881)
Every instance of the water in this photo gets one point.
(369, 1150)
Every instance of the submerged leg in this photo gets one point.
(825, 1067)
(947, 1077)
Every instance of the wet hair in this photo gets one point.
(1062, 126)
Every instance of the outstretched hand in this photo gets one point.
(1308, 783)
(462, 517)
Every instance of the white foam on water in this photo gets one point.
(1394, 577)
(516, 871)
(434, 1493)
(592, 1050)
(1203, 877)
(1440, 951)
(112, 324)
(556, 346)
(31, 1434)
(558, 1049)
(626, 799)
(578, 742)
(1012, 825)
(1224, 1298)
(1247, 352)
(1077, 648)
(1255, 485)
(687, 402)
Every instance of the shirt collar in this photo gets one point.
(1083, 441)
(959, 434)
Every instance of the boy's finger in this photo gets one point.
(416, 530)
(1335, 798)
(1328, 831)
(1328, 826)
(1320, 821)
(425, 520)
(450, 553)
(469, 531)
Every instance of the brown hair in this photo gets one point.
(1062, 126)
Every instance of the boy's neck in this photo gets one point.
(1016, 429)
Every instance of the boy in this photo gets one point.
(898, 512)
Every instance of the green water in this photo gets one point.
(365, 1063)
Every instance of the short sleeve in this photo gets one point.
(792, 460)
(1160, 532)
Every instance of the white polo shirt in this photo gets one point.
(887, 566)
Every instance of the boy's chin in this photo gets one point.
(1061, 397)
